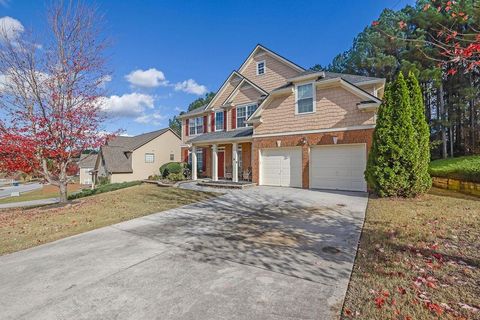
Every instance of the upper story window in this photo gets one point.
(260, 67)
(243, 113)
(219, 121)
(305, 98)
(195, 126)
(149, 158)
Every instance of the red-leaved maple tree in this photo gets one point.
(50, 94)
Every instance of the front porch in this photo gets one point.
(222, 162)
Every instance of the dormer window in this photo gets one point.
(260, 68)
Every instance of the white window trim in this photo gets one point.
(195, 126)
(245, 105)
(314, 94)
(153, 157)
(215, 120)
(264, 67)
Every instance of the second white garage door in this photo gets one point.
(339, 167)
(281, 167)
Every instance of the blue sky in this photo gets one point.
(180, 49)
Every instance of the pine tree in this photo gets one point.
(394, 155)
(421, 180)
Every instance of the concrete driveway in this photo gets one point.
(260, 253)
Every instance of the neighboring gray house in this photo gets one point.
(136, 158)
(87, 165)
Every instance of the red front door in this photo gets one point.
(221, 164)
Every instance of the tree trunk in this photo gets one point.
(451, 141)
(441, 109)
(63, 192)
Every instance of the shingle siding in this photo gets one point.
(276, 72)
(335, 108)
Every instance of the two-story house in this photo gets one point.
(278, 124)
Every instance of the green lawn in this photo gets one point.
(462, 168)
(418, 259)
(24, 228)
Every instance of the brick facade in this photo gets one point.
(305, 141)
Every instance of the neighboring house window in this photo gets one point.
(260, 67)
(195, 125)
(149, 158)
(243, 113)
(172, 157)
(305, 98)
(219, 121)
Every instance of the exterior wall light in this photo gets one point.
(279, 143)
(335, 139)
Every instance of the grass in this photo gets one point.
(103, 188)
(25, 228)
(418, 259)
(46, 192)
(462, 168)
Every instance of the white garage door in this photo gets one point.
(339, 167)
(281, 167)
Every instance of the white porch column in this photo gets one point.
(235, 162)
(194, 163)
(214, 162)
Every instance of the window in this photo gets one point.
(149, 158)
(195, 126)
(305, 101)
(219, 121)
(260, 68)
(172, 157)
(199, 159)
(239, 158)
(243, 113)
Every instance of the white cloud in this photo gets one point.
(127, 105)
(150, 78)
(154, 118)
(10, 28)
(191, 86)
(4, 3)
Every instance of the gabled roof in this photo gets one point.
(217, 94)
(273, 54)
(240, 84)
(369, 99)
(117, 159)
(132, 143)
(117, 153)
(87, 160)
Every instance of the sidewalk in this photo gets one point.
(28, 203)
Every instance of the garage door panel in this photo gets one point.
(281, 167)
(339, 167)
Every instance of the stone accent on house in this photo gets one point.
(305, 141)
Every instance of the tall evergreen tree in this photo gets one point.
(379, 170)
(421, 179)
(394, 155)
